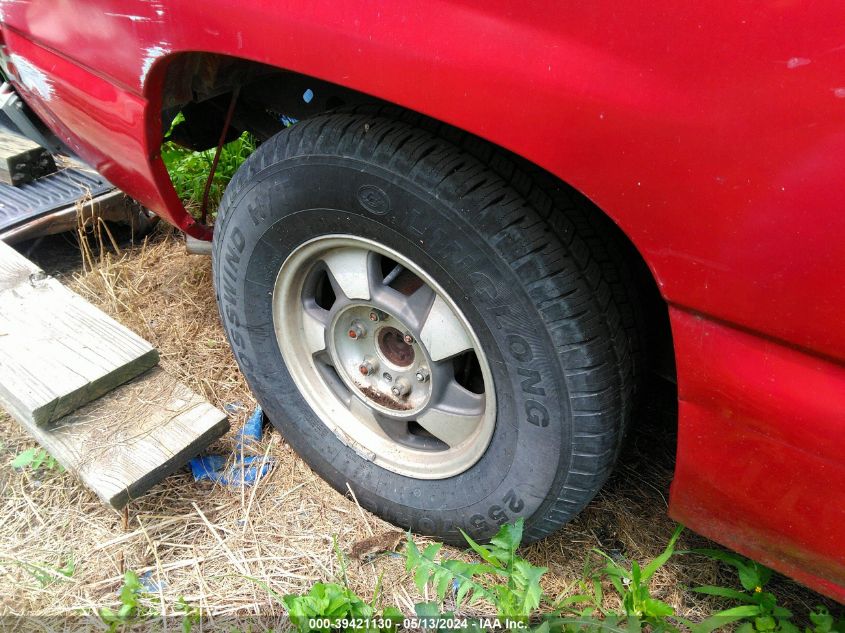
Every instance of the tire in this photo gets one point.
(537, 296)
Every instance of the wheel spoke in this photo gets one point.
(442, 333)
(364, 413)
(418, 306)
(349, 268)
(455, 417)
(314, 332)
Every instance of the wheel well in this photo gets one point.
(200, 85)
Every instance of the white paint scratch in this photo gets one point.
(795, 62)
(32, 77)
(134, 18)
(839, 93)
(151, 54)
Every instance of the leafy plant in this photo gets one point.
(45, 574)
(517, 596)
(189, 169)
(131, 608)
(36, 458)
(335, 607)
(446, 574)
(191, 614)
(330, 604)
(632, 585)
(759, 610)
(520, 594)
(68, 568)
(512, 586)
(583, 608)
(823, 622)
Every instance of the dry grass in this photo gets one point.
(202, 541)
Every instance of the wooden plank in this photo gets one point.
(132, 438)
(57, 351)
(22, 160)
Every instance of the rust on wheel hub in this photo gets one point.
(392, 345)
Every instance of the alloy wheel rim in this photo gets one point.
(384, 357)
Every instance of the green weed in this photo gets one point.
(758, 610)
(632, 585)
(36, 459)
(335, 607)
(517, 592)
(331, 606)
(822, 622)
(189, 170)
(511, 586)
(46, 574)
(131, 608)
(191, 614)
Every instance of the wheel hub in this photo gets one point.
(374, 359)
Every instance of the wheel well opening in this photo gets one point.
(200, 86)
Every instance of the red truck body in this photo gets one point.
(713, 136)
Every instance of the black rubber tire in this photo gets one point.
(536, 292)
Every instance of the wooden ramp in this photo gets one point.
(57, 351)
(130, 439)
(89, 390)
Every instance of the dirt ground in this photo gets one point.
(202, 542)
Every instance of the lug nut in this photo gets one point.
(401, 388)
(408, 338)
(356, 331)
(422, 374)
(377, 315)
(369, 366)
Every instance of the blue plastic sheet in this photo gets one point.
(250, 434)
(243, 470)
(149, 584)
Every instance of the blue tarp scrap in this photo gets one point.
(234, 407)
(149, 584)
(250, 434)
(244, 470)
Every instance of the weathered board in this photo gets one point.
(132, 438)
(57, 351)
(23, 161)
